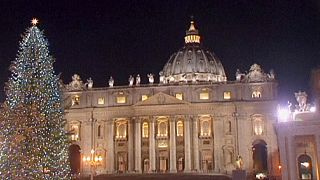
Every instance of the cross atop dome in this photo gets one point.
(192, 34)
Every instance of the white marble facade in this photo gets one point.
(192, 120)
(203, 132)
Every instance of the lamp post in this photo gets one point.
(93, 160)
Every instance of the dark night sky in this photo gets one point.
(102, 38)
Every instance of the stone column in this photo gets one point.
(217, 137)
(292, 158)
(137, 145)
(187, 144)
(283, 147)
(86, 140)
(173, 152)
(152, 148)
(110, 146)
(130, 145)
(195, 144)
(317, 144)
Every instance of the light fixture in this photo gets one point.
(283, 114)
(313, 109)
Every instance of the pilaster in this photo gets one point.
(173, 152)
(137, 145)
(110, 146)
(195, 144)
(130, 144)
(187, 144)
(152, 150)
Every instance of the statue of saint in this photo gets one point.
(151, 79)
(131, 79)
(238, 75)
(111, 82)
(138, 80)
(239, 162)
(161, 79)
(301, 98)
(271, 74)
(90, 83)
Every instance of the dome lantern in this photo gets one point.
(192, 34)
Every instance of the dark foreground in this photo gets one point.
(160, 177)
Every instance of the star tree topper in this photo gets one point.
(34, 21)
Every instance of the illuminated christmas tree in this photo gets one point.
(34, 144)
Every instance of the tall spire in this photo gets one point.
(192, 34)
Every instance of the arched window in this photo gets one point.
(75, 132)
(258, 125)
(121, 130)
(162, 129)
(305, 167)
(179, 128)
(205, 128)
(145, 130)
(256, 94)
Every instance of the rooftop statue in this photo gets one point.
(111, 82)
(301, 98)
(161, 78)
(131, 79)
(138, 80)
(89, 83)
(151, 78)
(256, 74)
(239, 75)
(75, 84)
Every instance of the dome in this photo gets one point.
(193, 63)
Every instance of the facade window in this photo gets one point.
(145, 130)
(162, 129)
(144, 97)
(74, 130)
(121, 130)
(205, 128)
(179, 128)
(121, 99)
(179, 96)
(258, 125)
(101, 100)
(204, 94)
(75, 100)
(227, 95)
(256, 94)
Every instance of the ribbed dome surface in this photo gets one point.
(193, 63)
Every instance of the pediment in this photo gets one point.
(161, 99)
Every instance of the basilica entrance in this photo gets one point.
(180, 164)
(260, 156)
(163, 161)
(207, 162)
(305, 167)
(146, 164)
(75, 159)
(122, 162)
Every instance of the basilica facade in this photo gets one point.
(191, 119)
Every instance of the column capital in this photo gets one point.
(138, 120)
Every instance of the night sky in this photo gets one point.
(99, 39)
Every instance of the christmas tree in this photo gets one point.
(34, 144)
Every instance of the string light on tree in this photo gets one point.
(34, 142)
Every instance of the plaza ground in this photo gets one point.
(160, 177)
